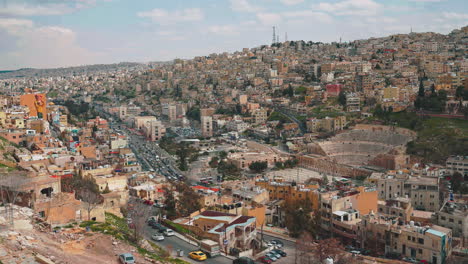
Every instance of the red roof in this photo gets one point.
(199, 187)
(214, 214)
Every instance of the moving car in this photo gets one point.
(169, 232)
(157, 237)
(127, 258)
(197, 255)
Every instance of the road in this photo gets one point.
(175, 243)
(293, 118)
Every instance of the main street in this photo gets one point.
(175, 243)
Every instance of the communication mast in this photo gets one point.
(274, 36)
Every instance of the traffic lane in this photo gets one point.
(176, 243)
(286, 243)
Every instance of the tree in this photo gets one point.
(421, 91)
(342, 98)
(139, 215)
(304, 246)
(91, 200)
(214, 162)
(170, 203)
(222, 154)
(325, 180)
(456, 181)
(330, 247)
(189, 200)
(258, 166)
(298, 217)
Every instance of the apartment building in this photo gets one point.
(343, 202)
(260, 116)
(432, 244)
(326, 124)
(423, 191)
(457, 164)
(454, 215)
(353, 102)
(207, 126)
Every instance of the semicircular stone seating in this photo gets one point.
(357, 147)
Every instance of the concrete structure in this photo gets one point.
(454, 215)
(229, 230)
(457, 164)
(353, 102)
(207, 126)
(260, 116)
(327, 124)
(242, 160)
(433, 244)
(423, 191)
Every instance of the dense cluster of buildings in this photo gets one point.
(271, 104)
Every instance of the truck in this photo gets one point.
(210, 248)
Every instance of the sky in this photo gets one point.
(61, 33)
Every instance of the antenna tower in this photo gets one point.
(285, 36)
(274, 35)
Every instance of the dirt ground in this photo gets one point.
(72, 246)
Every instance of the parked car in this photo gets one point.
(197, 255)
(278, 243)
(243, 260)
(281, 252)
(271, 256)
(277, 255)
(169, 232)
(157, 237)
(127, 258)
(265, 259)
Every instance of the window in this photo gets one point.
(442, 218)
(421, 241)
(409, 238)
(459, 222)
(420, 251)
(451, 220)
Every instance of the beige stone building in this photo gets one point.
(433, 244)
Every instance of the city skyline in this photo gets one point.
(48, 34)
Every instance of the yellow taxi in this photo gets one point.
(197, 255)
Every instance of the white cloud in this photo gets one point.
(224, 30)
(291, 2)
(9, 23)
(319, 16)
(350, 7)
(42, 47)
(453, 15)
(162, 16)
(269, 18)
(244, 6)
(427, 1)
(34, 10)
(45, 8)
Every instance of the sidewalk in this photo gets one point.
(277, 232)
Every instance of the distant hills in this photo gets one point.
(70, 71)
